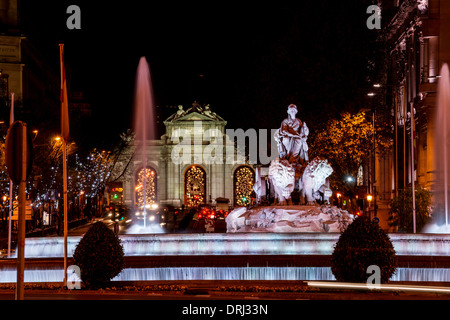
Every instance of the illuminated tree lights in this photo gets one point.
(90, 174)
(195, 182)
(146, 184)
(244, 179)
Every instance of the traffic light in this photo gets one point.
(116, 195)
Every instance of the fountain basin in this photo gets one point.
(240, 244)
(266, 267)
(240, 256)
(234, 273)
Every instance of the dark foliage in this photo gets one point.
(100, 256)
(401, 212)
(361, 245)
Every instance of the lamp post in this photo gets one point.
(369, 198)
(374, 146)
(351, 183)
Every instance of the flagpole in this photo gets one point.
(65, 208)
(11, 184)
(413, 187)
(64, 134)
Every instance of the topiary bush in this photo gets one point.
(99, 255)
(361, 245)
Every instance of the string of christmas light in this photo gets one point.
(243, 185)
(146, 176)
(93, 173)
(87, 175)
(195, 186)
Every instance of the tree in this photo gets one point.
(347, 142)
(100, 256)
(47, 164)
(361, 245)
(400, 214)
(91, 172)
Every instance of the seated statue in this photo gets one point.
(291, 138)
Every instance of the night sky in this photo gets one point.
(249, 60)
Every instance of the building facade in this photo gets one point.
(25, 72)
(193, 163)
(416, 41)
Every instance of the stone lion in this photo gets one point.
(315, 180)
(282, 178)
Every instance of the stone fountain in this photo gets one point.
(284, 242)
(291, 167)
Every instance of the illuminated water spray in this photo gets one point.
(144, 123)
(442, 152)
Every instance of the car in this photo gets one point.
(151, 214)
(204, 212)
(221, 214)
(117, 213)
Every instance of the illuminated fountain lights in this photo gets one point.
(441, 190)
(239, 244)
(55, 274)
(222, 245)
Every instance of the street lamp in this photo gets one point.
(369, 198)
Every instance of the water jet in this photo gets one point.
(442, 156)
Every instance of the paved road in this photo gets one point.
(212, 294)
(95, 295)
(126, 227)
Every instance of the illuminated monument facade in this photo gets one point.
(193, 163)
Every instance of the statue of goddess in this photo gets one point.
(291, 138)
